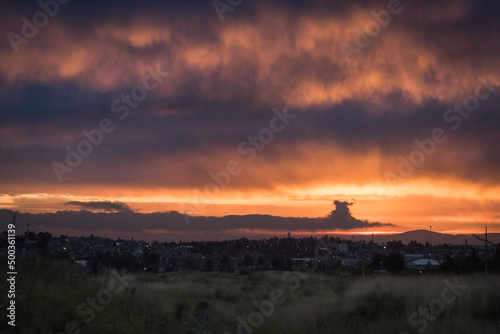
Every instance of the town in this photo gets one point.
(325, 254)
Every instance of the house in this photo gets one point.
(422, 264)
(349, 262)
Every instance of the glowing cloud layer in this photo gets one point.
(410, 117)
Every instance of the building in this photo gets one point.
(349, 262)
(422, 264)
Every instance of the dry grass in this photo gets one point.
(49, 294)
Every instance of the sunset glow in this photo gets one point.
(275, 110)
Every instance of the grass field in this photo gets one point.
(56, 297)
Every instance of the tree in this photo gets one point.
(99, 263)
(225, 265)
(277, 264)
(44, 238)
(394, 262)
(378, 261)
(173, 266)
(150, 260)
(448, 265)
(395, 244)
(190, 263)
(247, 260)
(209, 265)
(260, 262)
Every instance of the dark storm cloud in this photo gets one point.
(120, 218)
(102, 206)
(342, 219)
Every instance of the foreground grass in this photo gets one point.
(55, 297)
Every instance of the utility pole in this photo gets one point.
(486, 250)
(486, 242)
(486, 237)
(430, 235)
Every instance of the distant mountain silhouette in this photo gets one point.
(437, 238)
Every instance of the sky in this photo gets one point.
(184, 119)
